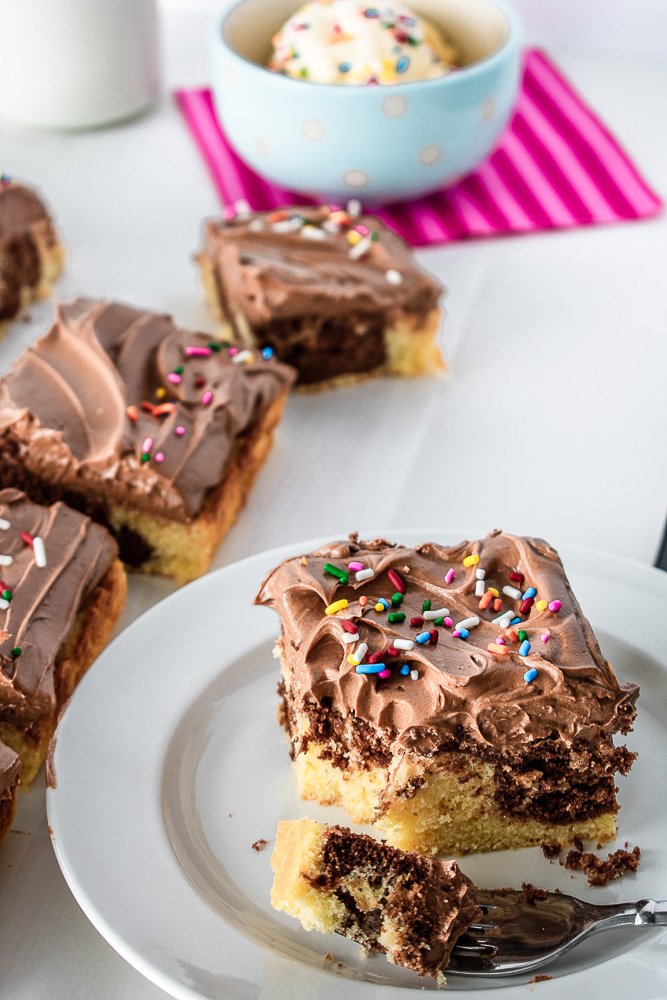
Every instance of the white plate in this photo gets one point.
(170, 764)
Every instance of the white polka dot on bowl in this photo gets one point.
(355, 178)
(430, 154)
(488, 109)
(313, 130)
(394, 106)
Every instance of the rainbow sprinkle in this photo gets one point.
(39, 551)
(340, 574)
(371, 668)
(336, 606)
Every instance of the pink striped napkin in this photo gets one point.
(556, 167)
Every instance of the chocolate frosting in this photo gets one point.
(462, 688)
(45, 600)
(67, 398)
(20, 210)
(267, 274)
(10, 767)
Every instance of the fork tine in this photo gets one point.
(470, 945)
(517, 934)
(469, 964)
(473, 949)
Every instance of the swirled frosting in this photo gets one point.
(122, 404)
(461, 687)
(44, 599)
(302, 261)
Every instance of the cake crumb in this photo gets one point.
(551, 851)
(530, 894)
(578, 844)
(329, 957)
(598, 871)
(542, 978)
(303, 561)
(259, 845)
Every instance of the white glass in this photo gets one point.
(70, 64)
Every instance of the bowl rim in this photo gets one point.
(512, 43)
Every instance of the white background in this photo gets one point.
(599, 25)
(554, 421)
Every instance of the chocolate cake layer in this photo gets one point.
(464, 693)
(51, 561)
(132, 548)
(324, 347)
(119, 404)
(23, 220)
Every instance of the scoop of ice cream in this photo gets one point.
(348, 42)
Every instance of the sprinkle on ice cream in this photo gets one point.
(350, 42)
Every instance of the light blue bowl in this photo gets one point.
(374, 143)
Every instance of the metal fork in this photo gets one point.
(515, 936)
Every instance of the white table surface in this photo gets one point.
(553, 422)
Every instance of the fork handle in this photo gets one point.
(639, 914)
